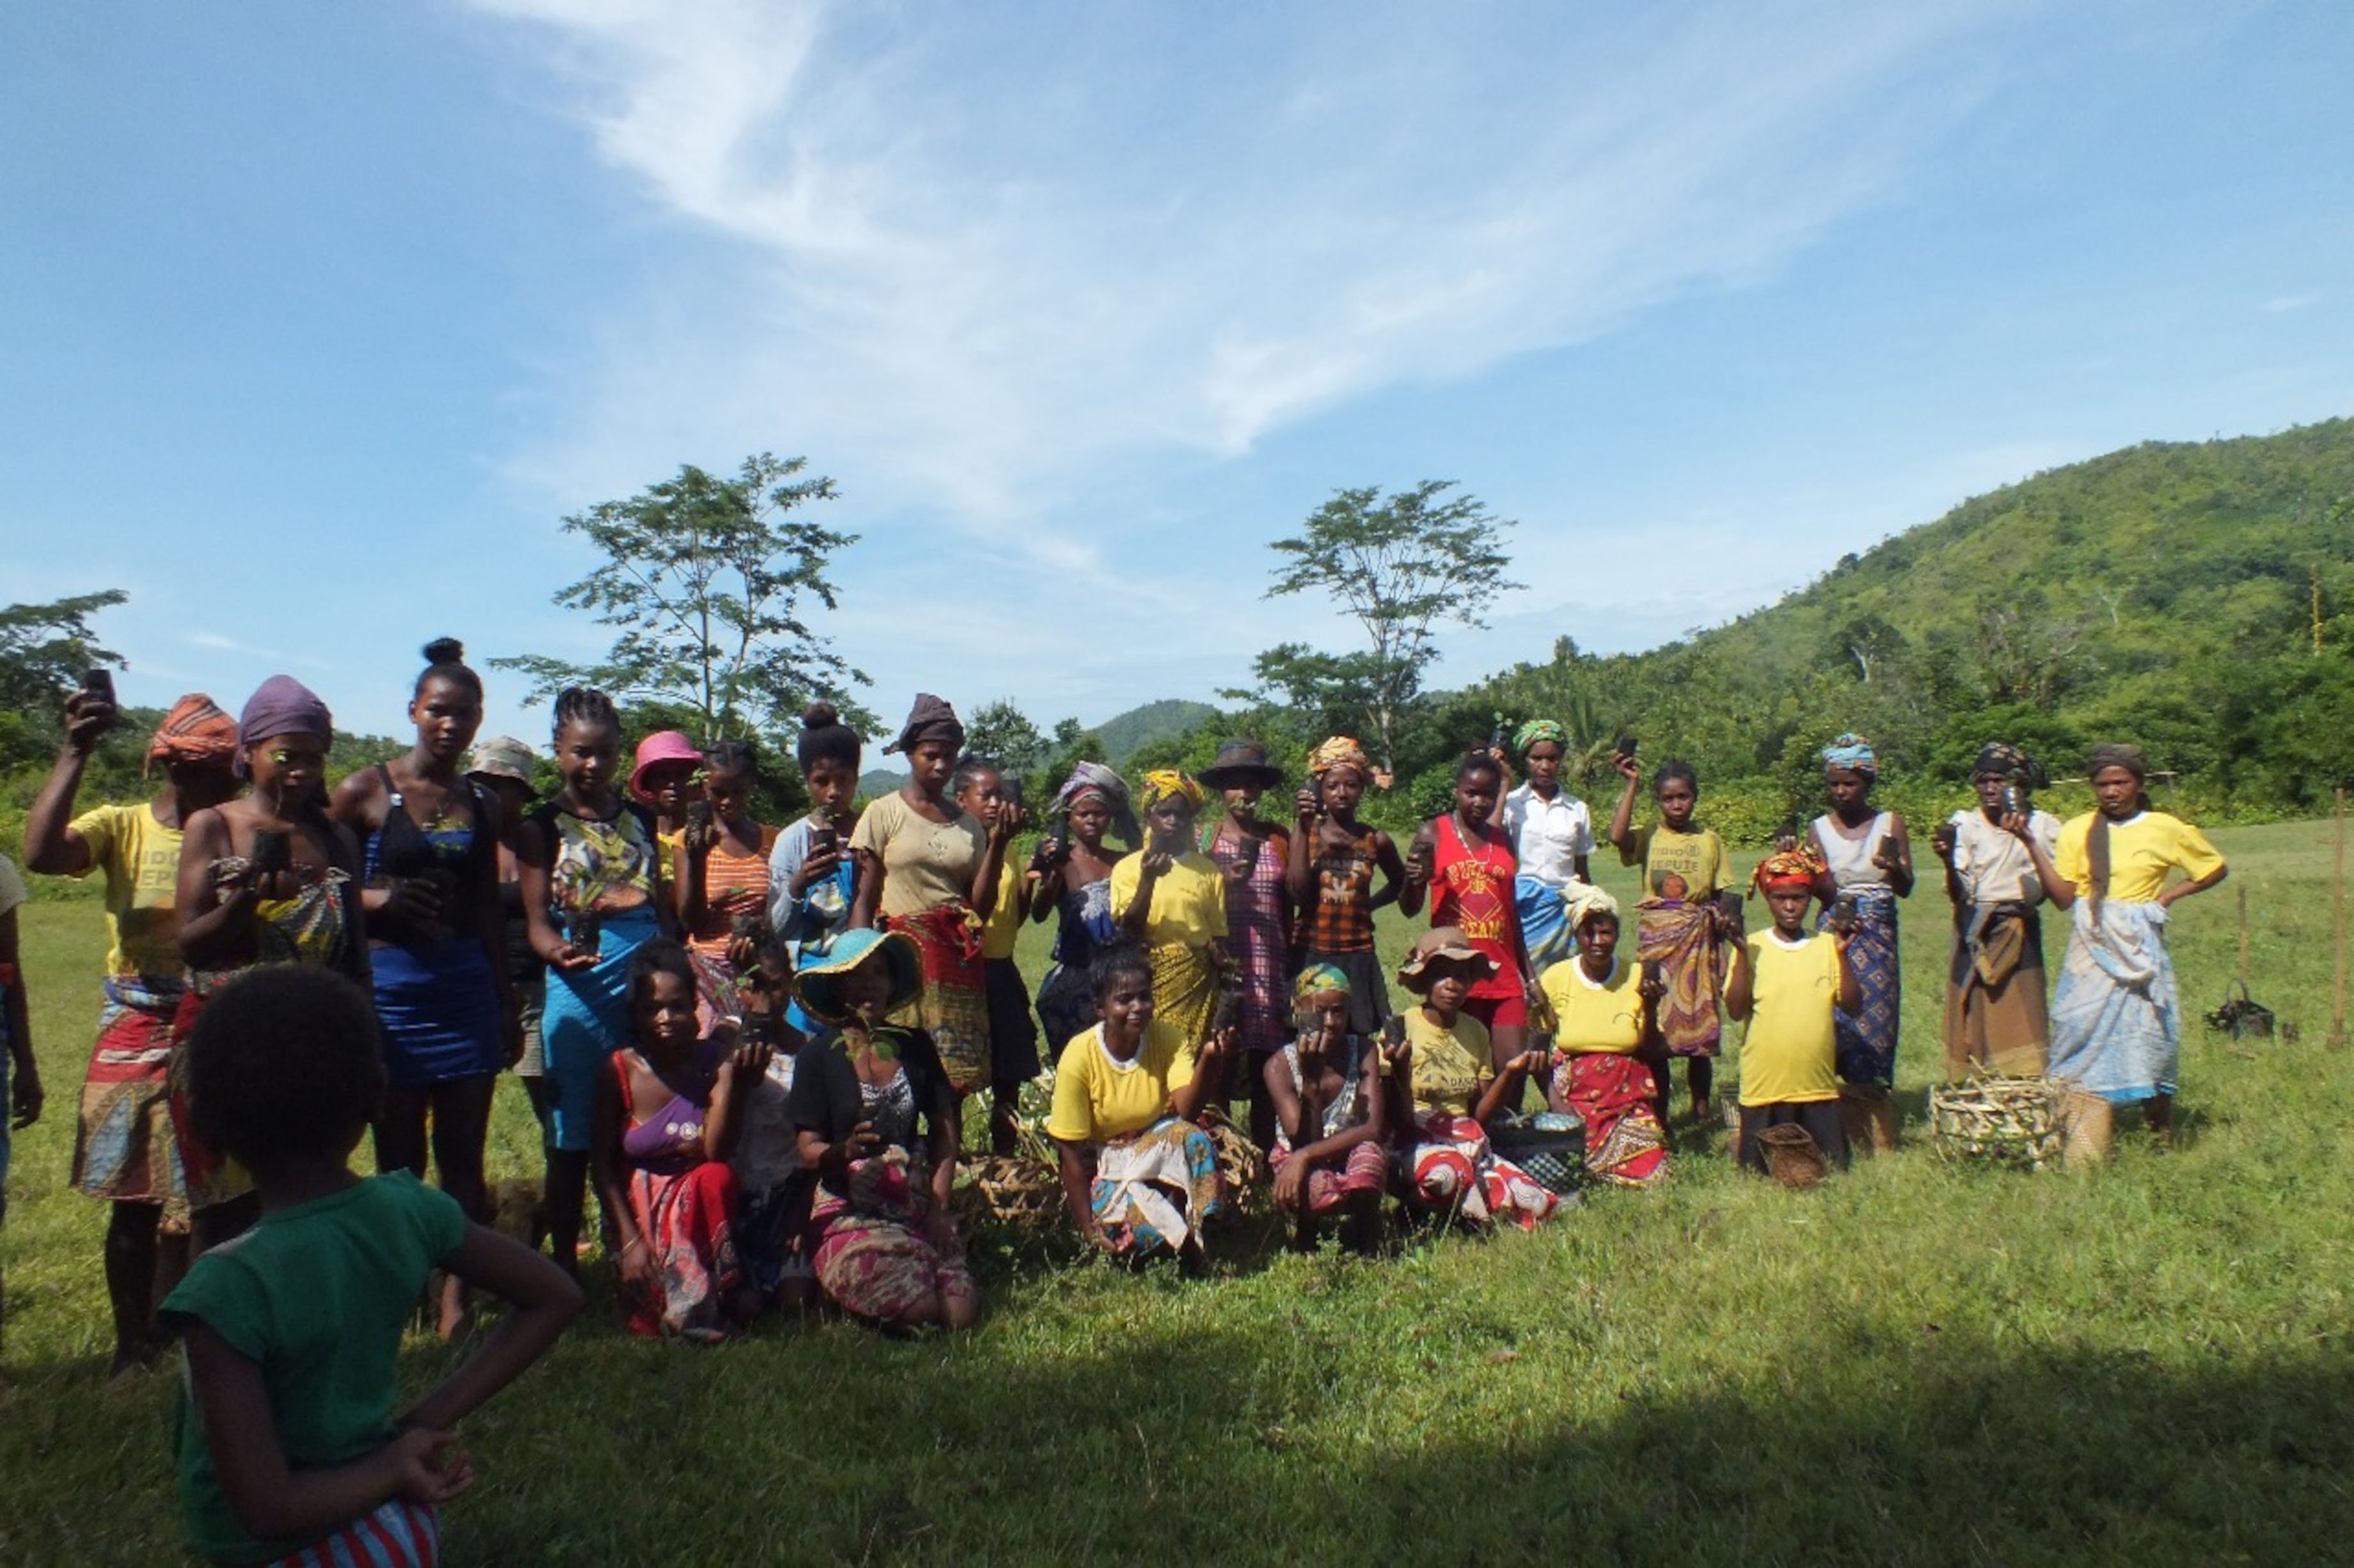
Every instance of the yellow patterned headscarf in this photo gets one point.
(1341, 751)
(1171, 783)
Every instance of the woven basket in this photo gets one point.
(1793, 1157)
(1018, 1191)
(1550, 1147)
(1999, 1121)
(1242, 1169)
(2086, 1123)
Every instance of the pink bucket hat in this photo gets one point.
(662, 746)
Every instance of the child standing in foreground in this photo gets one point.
(1787, 983)
(289, 1448)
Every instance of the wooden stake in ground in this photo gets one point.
(2243, 938)
(2337, 903)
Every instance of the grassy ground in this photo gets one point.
(1914, 1363)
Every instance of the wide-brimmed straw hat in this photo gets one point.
(818, 983)
(1439, 944)
(1240, 765)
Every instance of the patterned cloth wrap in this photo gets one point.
(1613, 1095)
(1450, 1168)
(1680, 935)
(2116, 1026)
(123, 1146)
(953, 1001)
(1154, 1192)
(1867, 1037)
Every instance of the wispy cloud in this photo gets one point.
(987, 251)
(2280, 305)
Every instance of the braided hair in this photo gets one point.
(585, 706)
(733, 755)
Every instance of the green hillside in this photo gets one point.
(1137, 727)
(2196, 598)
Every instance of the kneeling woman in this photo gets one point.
(1138, 1175)
(876, 1121)
(1609, 1041)
(667, 1118)
(1326, 1086)
(1448, 1085)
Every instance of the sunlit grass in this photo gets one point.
(1915, 1364)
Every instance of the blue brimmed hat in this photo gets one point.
(818, 983)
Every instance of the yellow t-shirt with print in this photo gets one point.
(141, 858)
(2142, 850)
(1448, 1064)
(1676, 865)
(1189, 899)
(1096, 1098)
(1789, 1052)
(1002, 930)
(1596, 1017)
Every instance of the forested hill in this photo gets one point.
(1139, 727)
(2171, 593)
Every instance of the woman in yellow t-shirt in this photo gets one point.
(1139, 1176)
(1173, 899)
(1607, 1011)
(1683, 928)
(1448, 1085)
(2117, 1028)
(1787, 984)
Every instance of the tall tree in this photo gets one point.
(708, 580)
(1001, 732)
(45, 648)
(1402, 567)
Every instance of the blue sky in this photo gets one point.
(322, 316)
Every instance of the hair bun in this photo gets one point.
(445, 650)
(820, 716)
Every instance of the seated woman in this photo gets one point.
(1609, 1041)
(877, 1124)
(1447, 1086)
(1787, 985)
(1326, 1086)
(1139, 1176)
(666, 1121)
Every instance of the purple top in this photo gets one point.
(670, 1140)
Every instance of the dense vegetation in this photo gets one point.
(2196, 598)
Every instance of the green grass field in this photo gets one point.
(1914, 1363)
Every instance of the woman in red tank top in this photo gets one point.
(1468, 867)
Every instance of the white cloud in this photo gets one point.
(983, 252)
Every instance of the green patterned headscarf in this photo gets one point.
(1535, 730)
(1317, 980)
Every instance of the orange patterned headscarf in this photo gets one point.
(1341, 751)
(195, 731)
(1787, 868)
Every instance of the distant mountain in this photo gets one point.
(1169, 718)
(876, 782)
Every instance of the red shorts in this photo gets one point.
(1499, 1012)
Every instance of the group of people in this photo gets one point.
(756, 1043)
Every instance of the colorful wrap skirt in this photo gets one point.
(124, 1149)
(872, 1251)
(1333, 1183)
(584, 1019)
(2116, 1027)
(953, 1001)
(1613, 1095)
(1255, 922)
(1680, 935)
(438, 1004)
(1184, 988)
(400, 1535)
(1154, 1192)
(687, 1219)
(1544, 923)
(1865, 1050)
(1449, 1169)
